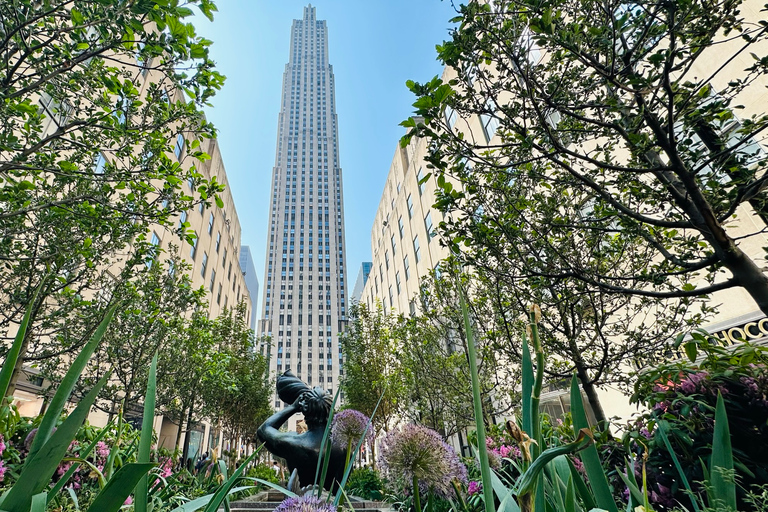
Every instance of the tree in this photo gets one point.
(625, 111)
(91, 112)
(154, 305)
(372, 366)
(435, 355)
(236, 388)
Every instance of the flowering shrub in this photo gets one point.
(419, 453)
(684, 395)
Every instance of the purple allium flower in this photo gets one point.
(474, 488)
(420, 452)
(306, 503)
(349, 426)
(30, 437)
(2, 444)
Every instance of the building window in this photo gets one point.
(410, 206)
(205, 264)
(193, 250)
(213, 280)
(400, 226)
(407, 267)
(417, 248)
(98, 165)
(218, 241)
(179, 146)
(210, 224)
(153, 251)
(428, 225)
(489, 121)
(182, 220)
(224, 259)
(450, 117)
(397, 282)
(394, 244)
(218, 296)
(421, 181)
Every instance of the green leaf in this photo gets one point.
(38, 503)
(145, 441)
(595, 472)
(527, 382)
(120, 486)
(691, 351)
(225, 488)
(41, 466)
(13, 354)
(67, 385)
(528, 480)
(506, 498)
(722, 458)
(197, 504)
(219, 202)
(61, 482)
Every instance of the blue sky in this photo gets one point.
(374, 47)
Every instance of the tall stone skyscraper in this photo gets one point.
(304, 305)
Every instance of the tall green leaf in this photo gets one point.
(61, 482)
(225, 488)
(482, 449)
(141, 496)
(723, 488)
(663, 426)
(120, 486)
(13, 354)
(324, 460)
(198, 503)
(67, 385)
(350, 460)
(590, 458)
(527, 377)
(40, 467)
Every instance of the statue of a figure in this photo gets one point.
(301, 451)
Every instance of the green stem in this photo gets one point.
(349, 453)
(416, 496)
(482, 450)
(537, 385)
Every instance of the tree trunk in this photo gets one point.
(594, 401)
(185, 452)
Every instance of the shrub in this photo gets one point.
(366, 483)
(683, 394)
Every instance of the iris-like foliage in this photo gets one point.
(419, 452)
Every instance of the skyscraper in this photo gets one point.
(304, 303)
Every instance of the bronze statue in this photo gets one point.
(301, 451)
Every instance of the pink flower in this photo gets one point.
(3, 469)
(102, 450)
(474, 488)
(128, 501)
(2, 445)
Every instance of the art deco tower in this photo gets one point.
(304, 304)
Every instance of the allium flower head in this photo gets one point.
(420, 452)
(474, 488)
(349, 425)
(306, 503)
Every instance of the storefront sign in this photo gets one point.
(750, 331)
